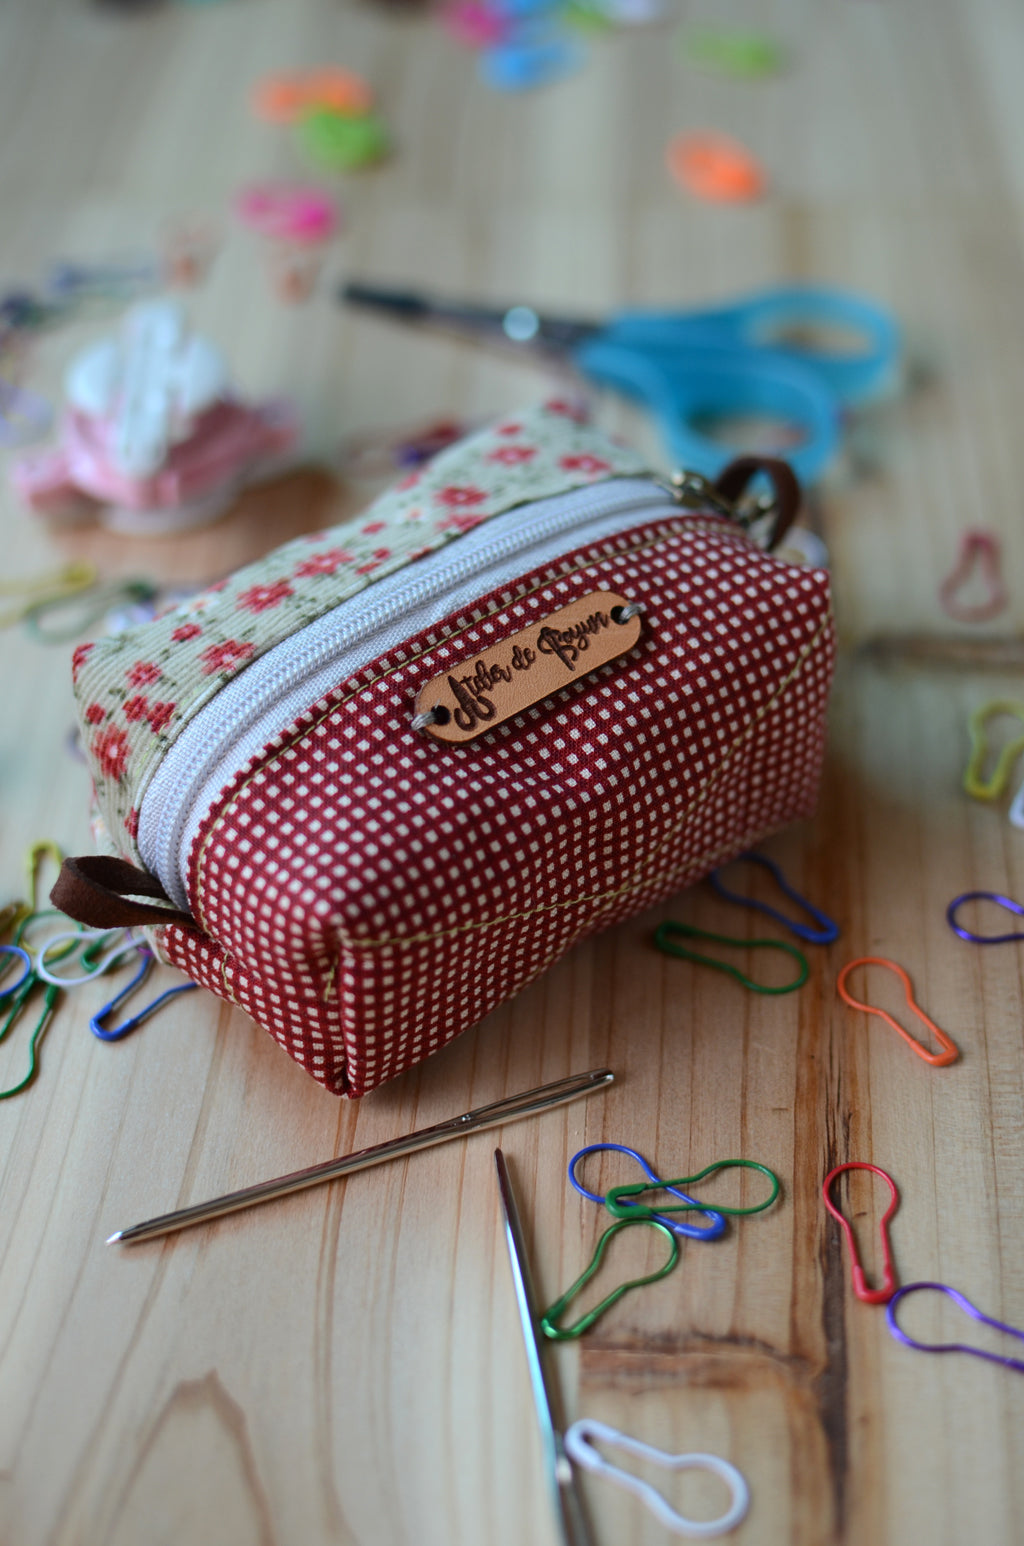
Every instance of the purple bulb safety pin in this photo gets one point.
(984, 896)
(953, 1347)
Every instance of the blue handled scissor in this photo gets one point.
(690, 367)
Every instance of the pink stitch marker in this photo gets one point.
(288, 212)
(981, 552)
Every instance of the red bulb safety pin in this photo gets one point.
(950, 1051)
(864, 1294)
(981, 551)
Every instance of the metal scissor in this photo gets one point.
(572, 1520)
(692, 367)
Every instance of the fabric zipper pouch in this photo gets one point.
(372, 785)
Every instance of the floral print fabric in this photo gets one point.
(137, 689)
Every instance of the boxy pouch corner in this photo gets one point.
(371, 786)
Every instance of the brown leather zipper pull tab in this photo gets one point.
(725, 495)
(783, 504)
(102, 892)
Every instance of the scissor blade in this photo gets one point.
(575, 1530)
(496, 324)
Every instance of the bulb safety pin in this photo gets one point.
(983, 896)
(119, 1032)
(714, 1227)
(549, 1320)
(968, 1308)
(624, 1201)
(96, 964)
(865, 1294)
(826, 929)
(991, 788)
(18, 953)
(950, 1052)
(579, 1446)
(667, 937)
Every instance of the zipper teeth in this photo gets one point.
(215, 745)
(452, 574)
(415, 594)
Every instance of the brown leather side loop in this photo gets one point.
(99, 890)
(733, 480)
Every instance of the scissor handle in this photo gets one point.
(771, 319)
(687, 383)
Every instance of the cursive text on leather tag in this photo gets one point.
(527, 667)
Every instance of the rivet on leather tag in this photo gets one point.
(527, 667)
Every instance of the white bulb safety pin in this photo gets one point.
(579, 1447)
(124, 946)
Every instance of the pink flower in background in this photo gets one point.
(456, 496)
(584, 463)
(186, 631)
(143, 672)
(136, 708)
(510, 455)
(158, 716)
(508, 429)
(373, 526)
(110, 749)
(224, 657)
(322, 563)
(95, 714)
(410, 480)
(260, 598)
(131, 823)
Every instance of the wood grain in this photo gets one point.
(343, 1368)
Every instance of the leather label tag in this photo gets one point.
(527, 667)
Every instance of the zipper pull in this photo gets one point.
(103, 892)
(693, 491)
(725, 496)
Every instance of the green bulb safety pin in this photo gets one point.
(41, 1026)
(567, 1333)
(665, 937)
(621, 1209)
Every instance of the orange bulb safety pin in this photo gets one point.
(714, 166)
(864, 1294)
(282, 98)
(950, 1051)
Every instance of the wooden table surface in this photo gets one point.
(346, 1366)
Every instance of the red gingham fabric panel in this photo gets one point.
(296, 1016)
(376, 893)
